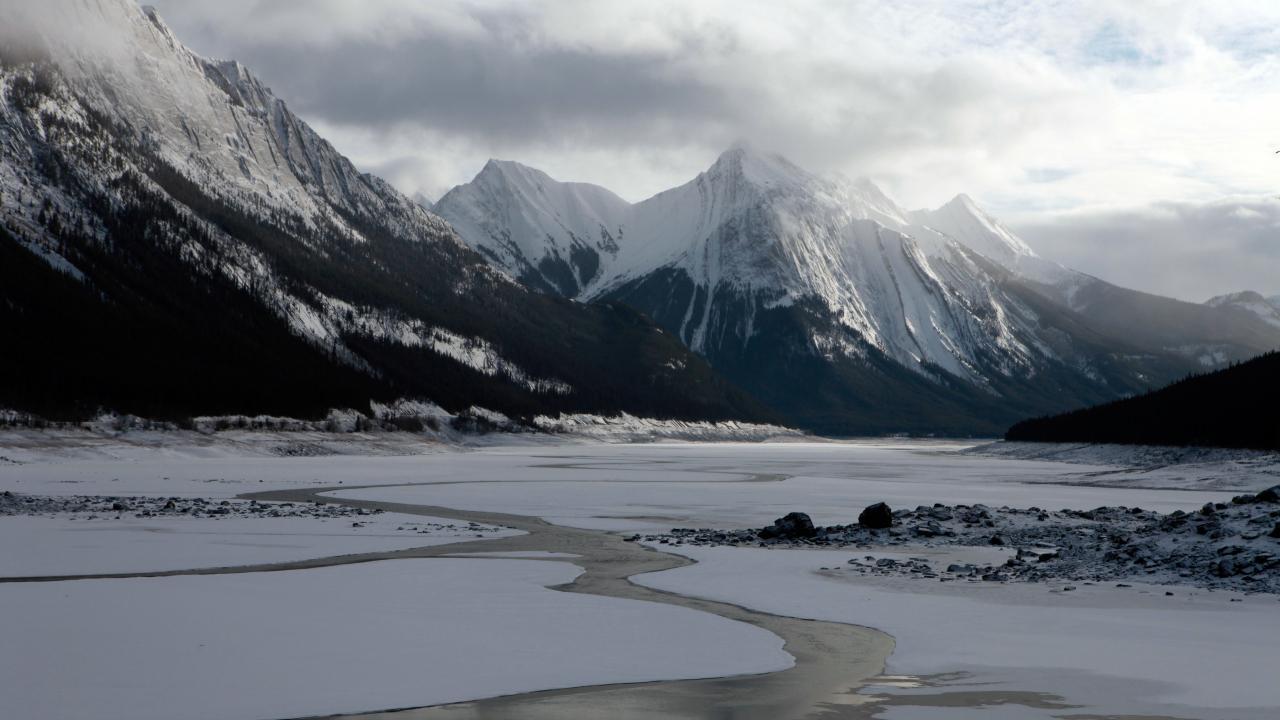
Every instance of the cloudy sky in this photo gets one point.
(1132, 140)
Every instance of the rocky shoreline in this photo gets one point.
(1230, 546)
(105, 507)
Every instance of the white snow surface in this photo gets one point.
(387, 634)
(1152, 466)
(77, 545)
(728, 485)
(1111, 650)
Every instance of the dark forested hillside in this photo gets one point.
(1237, 407)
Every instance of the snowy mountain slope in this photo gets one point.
(170, 211)
(758, 253)
(554, 236)
(757, 227)
(1268, 309)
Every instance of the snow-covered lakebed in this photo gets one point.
(1190, 654)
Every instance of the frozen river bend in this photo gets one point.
(364, 612)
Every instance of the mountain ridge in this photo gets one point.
(177, 192)
(1266, 308)
(949, 295)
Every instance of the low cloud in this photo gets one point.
(1184, 250)
(1050, 114)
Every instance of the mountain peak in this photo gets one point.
(510, 172)
(1268, 309)
(744, 163)
(153, 15)
(965, 202)
(494, 165)
(1244, 296)
(964, 220)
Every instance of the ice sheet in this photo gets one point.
(388, 634)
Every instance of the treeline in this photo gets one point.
(1236, 407)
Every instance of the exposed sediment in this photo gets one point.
(1233, 545)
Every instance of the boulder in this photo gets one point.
(876, 517)
(791, 525)
(1270, 495)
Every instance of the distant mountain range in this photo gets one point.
(1265, 308)
(839, 308)
(175, 241)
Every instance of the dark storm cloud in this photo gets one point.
(498, 83)
(493, 90)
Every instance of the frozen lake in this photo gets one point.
(1101, 650)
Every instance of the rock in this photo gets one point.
(1275, 531)
(940, 513)
(929, 529)
(996, 540)
(876, 517)
(1270, 495)
(791, 525)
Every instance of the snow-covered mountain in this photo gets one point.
(551, 235)
(1268, 309)
(827, 299)
(176, 240)
(759, 230)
